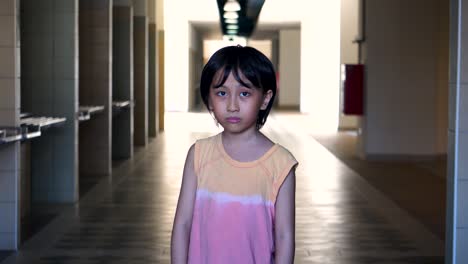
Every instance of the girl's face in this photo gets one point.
(235, 106)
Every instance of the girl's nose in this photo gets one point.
(233, 105)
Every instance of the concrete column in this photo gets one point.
(140, 46)
(160, 60)
(289, 69)
(457, 180)
(153, 116)
(96, 85)
(348, 51)
(402, 52)
(122, 124)
(9, 116)
(49, 87)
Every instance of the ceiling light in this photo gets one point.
(231, 32)
(231, 21)
(232, 26)
(232, 5)
(230, 15)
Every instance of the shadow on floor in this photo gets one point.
(35, 222)
(417, 187)
(4, 254)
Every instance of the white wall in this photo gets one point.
(402, 59)
(320, 54)
(349, 50)
(289, 68)
(319, 49)
(177, 42)
(159, 6)
(210, 46)
(264, 46)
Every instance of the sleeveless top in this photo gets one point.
(234, 213)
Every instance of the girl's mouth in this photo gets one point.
(233, 120)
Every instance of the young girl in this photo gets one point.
(237, 200)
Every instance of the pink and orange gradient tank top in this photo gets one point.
(234, 213)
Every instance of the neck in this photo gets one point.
(242, 138)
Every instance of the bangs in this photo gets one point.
(222, 75)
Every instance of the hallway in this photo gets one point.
(127, 217)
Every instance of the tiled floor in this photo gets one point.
(127, 217)
(419, 187)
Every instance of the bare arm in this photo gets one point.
(183, 218)
(285, 220)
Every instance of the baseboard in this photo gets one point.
(287, 107)
(404, 157)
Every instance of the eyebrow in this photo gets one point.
(240, 85)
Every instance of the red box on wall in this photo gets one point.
(353, 89)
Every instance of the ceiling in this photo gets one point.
(247, 17)
(247, 23)
(211, 30)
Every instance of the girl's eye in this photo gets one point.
(244, 94)
(221, 93)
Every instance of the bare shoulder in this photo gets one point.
(191, 154)
(191, 150)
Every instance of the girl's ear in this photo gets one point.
(266, 99)
(210, 107)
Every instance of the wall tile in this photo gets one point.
(7, 31)
(463, 155)
(34, 5)
(464, 41)
(65, 46)
(37, 57)
(101, 55)
(8, 186)
(31, 26)
(452, 106)
(8, 241)
(7, 7)
(65, 6)
(7, 63)
(64, 168)
(9, 162)
(462, 245)
(9, 117)
(449, 216)
(18, 93)
(41, 172)
(64, 68)
(9, 92)
(9, 217)
(462, 204)
(38, 23)
(463, 108)
(100, 35)
(65, 23)
(100, 17)
(64, 197)
(18, 59)
(42, 92)
(66, 103)
(95, 4)
(450, 155)
(453, 39)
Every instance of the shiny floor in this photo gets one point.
(342, 216)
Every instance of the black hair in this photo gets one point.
(249, 62)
